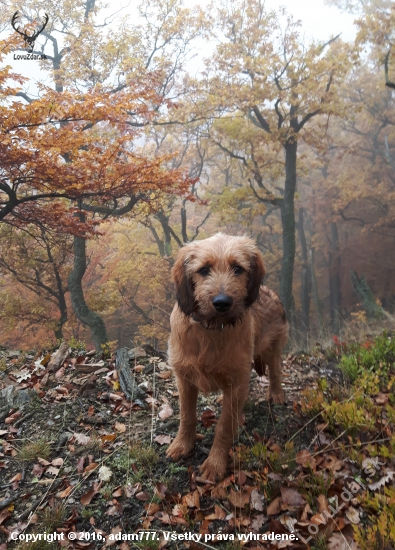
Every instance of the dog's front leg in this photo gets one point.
(235, 396)
(185, 439)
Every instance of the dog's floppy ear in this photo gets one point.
(183, 284)
(255, 277)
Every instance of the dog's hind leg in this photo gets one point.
(185, 439)
(272, 359)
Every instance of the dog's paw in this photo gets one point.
(277, 398)
(179, 448)
(213, 469)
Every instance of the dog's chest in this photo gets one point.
(212, 360)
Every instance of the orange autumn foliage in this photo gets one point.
(71, 146)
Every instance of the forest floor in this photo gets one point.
(79, 460)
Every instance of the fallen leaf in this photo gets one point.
(289, 522)
(92, 466)
(371, 464)
(12, 418)
(52, 471)
(44, 482)
(165, 412)
(381, 398)
(352, 515)
(139, 368)
(256, 500)
(192, 500)
(319, 519)
(115, 510)
(62, 390)
(115, 397)
(163, 517)
(105, 473)
(37, 470)
(163, 439)
(80, 464)
(131, 490)
(332, 463)
(151, 400)
(339, 542)
(143, 495)
(45, 360)
(305, 459)
(323, 504)
(81, 439)
(291, 498)
(258, 521)
(121, 428)
(160, 490)
(274, 507)
(43, 462)
(65, 493)
(218, 492)
(152, 508)
(21, 375)
(86, 499)
(4, 515)
(164, 375)
(108, 437)
(179, 510)
(389, 476)
(275, 447)
(218, 513)
(241, 477)
(17, 477)
(59, 373)
(240, 498)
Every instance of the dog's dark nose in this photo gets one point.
(222, 302)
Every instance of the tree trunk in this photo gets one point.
(184, 223)
(61, 304)
(164, 221)
(288, 225)
(317, 301)
(334, 280)
(81, 309)
(361, 287)
(306, 276)
(58, 331)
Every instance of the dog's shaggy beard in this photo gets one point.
(216, 323)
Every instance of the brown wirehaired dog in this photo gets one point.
(224, 321)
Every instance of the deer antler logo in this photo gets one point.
(29, 39)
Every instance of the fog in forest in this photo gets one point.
(145, 129)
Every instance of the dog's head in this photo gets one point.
(218, 278)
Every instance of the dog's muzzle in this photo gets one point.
(222, 303)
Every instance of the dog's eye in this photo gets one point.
(238, 270)
(204, 271)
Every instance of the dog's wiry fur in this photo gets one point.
(211, 350)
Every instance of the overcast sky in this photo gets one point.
(318, 21)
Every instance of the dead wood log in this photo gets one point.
(59, 357)
(126, 379)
